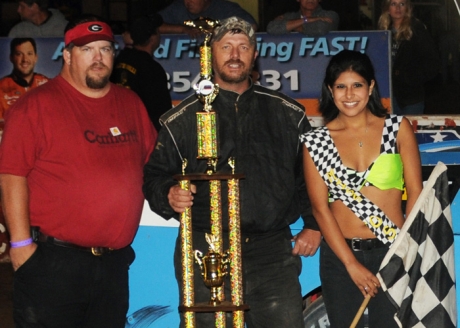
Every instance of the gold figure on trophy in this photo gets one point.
(214, 267)
(205, 24)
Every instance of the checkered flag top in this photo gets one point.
(417, 274)
(329, 165)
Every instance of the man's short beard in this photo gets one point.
(97, 84)
(232, 79)
(235, 79)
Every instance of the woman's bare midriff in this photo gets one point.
(389, 201)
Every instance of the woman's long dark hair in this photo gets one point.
(355, 61)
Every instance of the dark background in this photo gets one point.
(440, 16)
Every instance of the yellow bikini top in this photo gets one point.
(386, 172)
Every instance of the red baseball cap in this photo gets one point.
(88, 32)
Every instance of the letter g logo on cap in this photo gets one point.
(95, 28)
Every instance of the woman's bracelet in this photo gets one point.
(305, 20)
(22, 243)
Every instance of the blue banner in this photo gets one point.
(293, 63)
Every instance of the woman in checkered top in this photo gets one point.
(356, 168)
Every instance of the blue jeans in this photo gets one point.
(65, 287)
(270, 281)
(414, 109)
(341, 296)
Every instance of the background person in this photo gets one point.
(310, 19)
(365, 152)
(261, 128)
(179, 11)
(127, 40)
(23, 56)
(136, 69)
(38, 20)
(71, 163)
(414, 56)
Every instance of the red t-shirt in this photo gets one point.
(83, 159)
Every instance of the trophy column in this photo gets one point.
(216, 231)
(188, 297)
(236, 275)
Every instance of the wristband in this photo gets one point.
(304, 18)
(16, 244)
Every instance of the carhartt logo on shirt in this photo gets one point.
(115, 131)
(115, 136)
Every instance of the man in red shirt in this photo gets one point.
(23, 56)
(71, 170)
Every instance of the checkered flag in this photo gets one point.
(417, 274)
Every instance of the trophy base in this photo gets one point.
(224, 306)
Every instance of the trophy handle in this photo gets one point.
(225, 262)
(198, 258)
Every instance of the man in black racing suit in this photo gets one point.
(260, 128)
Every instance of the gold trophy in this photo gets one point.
(215, 264)
(214, 267)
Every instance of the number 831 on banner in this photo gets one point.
(180, 81)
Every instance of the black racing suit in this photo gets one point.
(260, 128)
